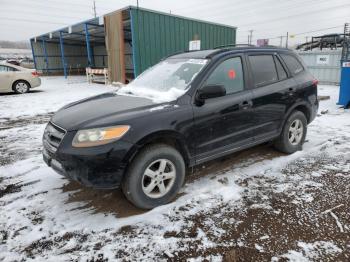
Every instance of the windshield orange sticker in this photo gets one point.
(232, 74)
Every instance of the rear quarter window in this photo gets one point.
(4, 68)
(282, 74)
(293, 64)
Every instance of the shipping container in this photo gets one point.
(127, 41)
(324, 64)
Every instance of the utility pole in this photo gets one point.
(287, 40)
(281, 40)
(250, 37)
(137, 4)
(94, 8)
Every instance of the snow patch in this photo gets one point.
(313, 251)
(156, 96)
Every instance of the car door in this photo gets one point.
(273, 91)
(224, 123)
(6, 76)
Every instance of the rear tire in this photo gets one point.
(293, 133)
(21, 87)
(154, 177)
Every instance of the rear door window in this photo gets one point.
(229, 74)
(294, 66)
(263, 69)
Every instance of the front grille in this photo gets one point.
(53, 136)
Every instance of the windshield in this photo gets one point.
(165, 81)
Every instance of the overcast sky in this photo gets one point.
(23, 19)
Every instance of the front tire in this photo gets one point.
(293, 133)
(154, 177)
(21, 87)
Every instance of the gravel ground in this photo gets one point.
(255, 205)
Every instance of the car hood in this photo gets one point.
(101, 110)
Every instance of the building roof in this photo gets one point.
(76, 32)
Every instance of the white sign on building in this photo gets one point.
(195, 45)
(322, 60)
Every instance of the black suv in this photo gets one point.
(188, 109)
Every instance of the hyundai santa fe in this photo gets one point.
(188, 109)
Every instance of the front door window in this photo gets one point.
(228, 74)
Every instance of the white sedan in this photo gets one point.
(17, 79)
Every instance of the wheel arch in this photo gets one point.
(303, 107)
(18, 80)
(168, 137)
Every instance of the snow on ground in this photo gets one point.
(11, 53)
(257, 204)
(53, 93)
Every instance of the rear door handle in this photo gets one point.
(245, 105)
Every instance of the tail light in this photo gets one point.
(35, 73)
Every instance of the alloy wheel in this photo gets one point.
(158, 178)
(21, 87)
(295, 133)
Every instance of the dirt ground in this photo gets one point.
(300, 213)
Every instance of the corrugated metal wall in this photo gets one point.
(100, 56)
(324, 65)
(75, 57)
(115, 46)
(156, 35)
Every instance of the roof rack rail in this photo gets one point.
(176, 53)
(273, 46)
(234, 45)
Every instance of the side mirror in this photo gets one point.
(210, 91)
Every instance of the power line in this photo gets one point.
(288, 7)
(308, 32)
(56, 8)
(301, 33)
(237, 10)
(334, 27)
(31, 21)
(270, 29)
(212, 5)
(41, 14)
(70, 3)
(60, 3)
(296, 15)
(241, 34)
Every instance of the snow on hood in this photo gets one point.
(155, 95)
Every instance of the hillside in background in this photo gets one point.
(15, 44)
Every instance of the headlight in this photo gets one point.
(99, 136)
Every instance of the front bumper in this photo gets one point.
(99, 167)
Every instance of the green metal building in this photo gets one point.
(127, 41)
